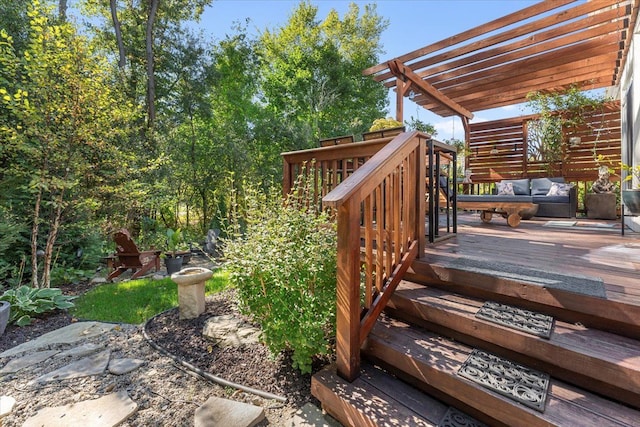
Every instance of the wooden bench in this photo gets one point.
(509, 207)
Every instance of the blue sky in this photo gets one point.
(412, 24)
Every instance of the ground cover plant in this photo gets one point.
(27, 302)
(135, 301)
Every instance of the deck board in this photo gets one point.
(602, 253)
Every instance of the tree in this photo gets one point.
(145, 34)
(63, 118)
(312, 83)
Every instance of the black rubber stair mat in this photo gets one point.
(527, 321)
(515, 381)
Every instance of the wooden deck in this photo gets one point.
(590, 248)
(594, 249)
(430, 328)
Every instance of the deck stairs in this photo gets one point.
(465, 347)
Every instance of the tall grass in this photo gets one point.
(136, 301)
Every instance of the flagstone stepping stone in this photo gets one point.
(107, 411)
(66, 335)
(217, 411)
(91, 365)
(6, 406)
(82, 350)
(30, 359)
(310, 416)
(123, 366)
(230, 331)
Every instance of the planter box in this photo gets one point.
(382, 133)
(601, 205)
(5, 310)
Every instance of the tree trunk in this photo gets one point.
(62, 10)
(51, 240)
(34, 239)
(151, 82)
(116, 27)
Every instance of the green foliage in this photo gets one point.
(311, 72)
(27, 303)
(12, 248)
(174, 239)
(633, 172)
(284, 268)
(64, 275)
(559, 110)
(62, 122)
(136, 301)
(388, 123)
(417, 124)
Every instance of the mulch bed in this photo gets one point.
(250, 365)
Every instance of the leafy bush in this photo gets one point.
(284, 269)
(27, 302)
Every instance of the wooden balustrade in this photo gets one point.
(329, 165)
(380, 211)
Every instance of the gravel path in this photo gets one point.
(166, 393)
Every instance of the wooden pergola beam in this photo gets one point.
(403, 73)
(494, 25)
(542, 47)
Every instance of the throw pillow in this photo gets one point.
(559, 189)
(505, 189)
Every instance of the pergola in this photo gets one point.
(548, 46)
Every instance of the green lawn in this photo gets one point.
(136, 301)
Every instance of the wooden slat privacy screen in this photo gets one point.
(498, 149)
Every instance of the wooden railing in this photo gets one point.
(328, 166)
(380, 211)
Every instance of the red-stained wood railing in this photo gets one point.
(328, 166)
(381, 229)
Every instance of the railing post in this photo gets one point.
(286, 177)
(421, 196)
(348, 291)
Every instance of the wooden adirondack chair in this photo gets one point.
(129, 257)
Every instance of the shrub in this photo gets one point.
(284, 269)
(27, 302)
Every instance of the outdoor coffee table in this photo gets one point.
(510, 207)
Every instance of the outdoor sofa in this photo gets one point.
(523, 198)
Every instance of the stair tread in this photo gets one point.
(376, 396)
(435, 361)
(610, 361)
(613, 313)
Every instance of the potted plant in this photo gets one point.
(172, 260)
(631, 197)
(5, 311)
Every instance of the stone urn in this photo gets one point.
(191, 283)
(5, 311)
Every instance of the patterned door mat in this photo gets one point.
(515, 381)
(456, 418)
(516, 318)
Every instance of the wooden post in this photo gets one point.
(286, 178)
(421, 195)
(400, 90)
(348, 291)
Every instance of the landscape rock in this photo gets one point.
(30, 359)
(67, 335)
(123, 366)
(92, 365)
(107, 411)
(6, 405)
(81, 350)
(217, 411)
(230, 331)
(311, 416)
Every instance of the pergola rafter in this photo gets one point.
(547, 46)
